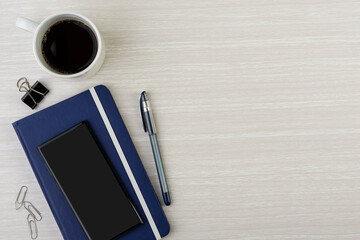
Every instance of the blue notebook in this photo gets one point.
(97, 107)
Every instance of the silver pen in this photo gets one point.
(149, 126)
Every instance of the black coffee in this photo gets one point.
(69, 46)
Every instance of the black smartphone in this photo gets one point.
(89, 183)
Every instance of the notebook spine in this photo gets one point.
(44, 190)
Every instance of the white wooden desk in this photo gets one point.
(257, 105)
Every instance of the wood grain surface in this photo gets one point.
(257, 105)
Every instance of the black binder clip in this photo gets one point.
(34, 94)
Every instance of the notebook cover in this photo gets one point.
(97, 107)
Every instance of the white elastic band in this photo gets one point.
(125, 163)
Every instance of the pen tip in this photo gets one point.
(143, 95)
(167, 200)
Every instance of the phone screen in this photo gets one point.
(89, 184)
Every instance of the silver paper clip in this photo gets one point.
(33, 227)
(21, 197)
(32, 210)
(34, 214)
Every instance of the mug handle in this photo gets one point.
(26, 24)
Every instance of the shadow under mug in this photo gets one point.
(39, 29)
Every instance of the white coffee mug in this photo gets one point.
(39, 29)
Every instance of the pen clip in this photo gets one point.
(142, 111)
